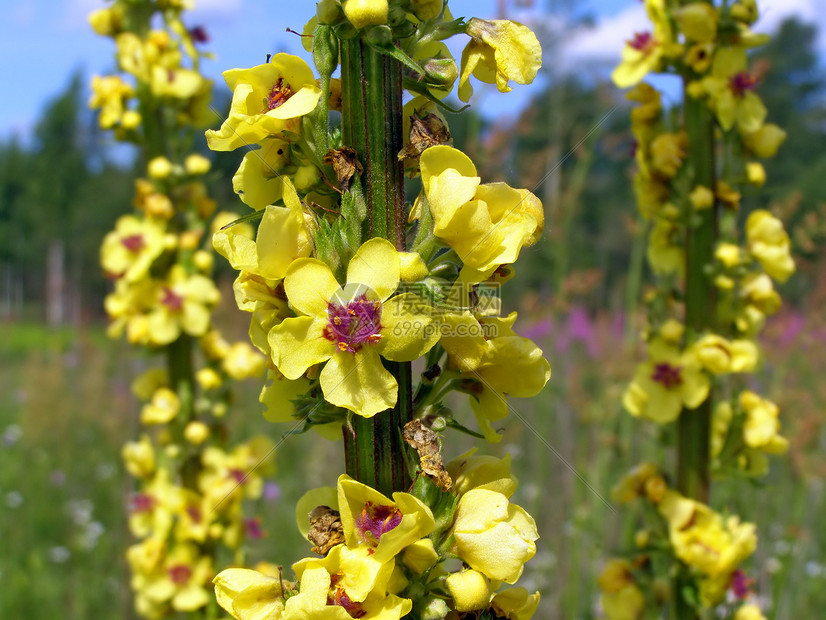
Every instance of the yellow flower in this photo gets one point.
(267, 100)
(720, 356)
(227, 477)
(698, 21)
(164, 407)
(183, 304)
(345, 584)
(762, 425)
(730, 88)
(386, 527)
(668, 150)
(247, 594)
(110, 94)
(755, 173)
(701, 197)
(666, 253)
(470, 590)
(749, 612)
(492, 535)
(515, 604)
(499, 51)
(107, 22)
(768, 242)
(710, 544)
(420, 556)
(139, 457)
(496, 361)
(258, 180)
(196, 432)
(151, 509)
(643, 53)
(482, 472)
(183, 580)
(621, 597)
(350, 327)
(667, 382)
(283, 236)
(242, 362)
(487, 225)
(765, 141)
(633, 484)
(363, 13)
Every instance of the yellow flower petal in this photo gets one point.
(310, 285)
(376, 264)
(358, 382)
(298, 343)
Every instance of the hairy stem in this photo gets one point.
(372, 125)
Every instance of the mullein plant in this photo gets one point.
(348, 287)
(188, 508)
(716, 269)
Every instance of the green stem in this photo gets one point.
(694, 425)
(372, 125)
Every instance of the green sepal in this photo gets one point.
(380, 38)
(314, 410)
(452, 423)
(251, 217)
(441, 503)
(325, 50)
(418, 87)
(329, 246)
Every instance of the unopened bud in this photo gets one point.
(325, 50)
(440, 71)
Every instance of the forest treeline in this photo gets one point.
(62, 188)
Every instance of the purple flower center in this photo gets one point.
(142, 502)
(740, 584)
(194, 513)
(642, 41)
(253, 528)
(350, 326)
(375, 520)
(238, 475)
(340, 598)
(199, 34)
(278, 96)
(133, 243)
(172, 300)
(667, 375)
(179, 573)
(741, 82)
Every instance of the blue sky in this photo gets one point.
(43, 41)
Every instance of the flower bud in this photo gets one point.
(470, 590)
(196, 164)
(440, 71)
(363, 13)
(159, 168)
(328, 11)
(196, 432)
(325, 50)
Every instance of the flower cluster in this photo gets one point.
(715, 281)
(385, 558)
(190, 483)
(326, 307)
(347, 286)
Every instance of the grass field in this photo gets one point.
(66, 408)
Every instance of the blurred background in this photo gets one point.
(65, 403)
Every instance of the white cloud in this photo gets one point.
(605, 41)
